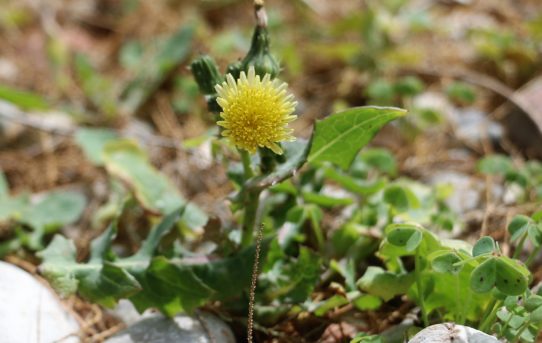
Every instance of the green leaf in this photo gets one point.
(103, 281)
(512, 276)
(152, 75)
(380, 159)
(367, 302)
(54, 210)
(495, 165)
(518, 226)
(461, 92)
(377, 281)
(4, 187)
(533, 302)
(93, 142)
(100, 283)
(339, 137)
(295, 155)
(351, 184)
(330, 304)
(22, 99)
(98, 88)
(397, 197)
(326, 200)
(405, 236)
(153, 190)
(484, 276)
(185, 288)
(485, 245)
(444, 263)
(12, 208)
(293, 280)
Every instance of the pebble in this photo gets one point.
(202, 328)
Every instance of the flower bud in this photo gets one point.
(206, 74)
(259, 55)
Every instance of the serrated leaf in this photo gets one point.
(484, 276)
(339, 137)
(184, 287)
(98, 280)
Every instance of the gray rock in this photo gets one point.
(202, 328)
(30, 312)
(127, 313)
(452, 333)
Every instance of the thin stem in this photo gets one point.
(251, 201)
(419, 286)
(253, 284)
(517, 337)
(505, 325)
(247, 168)
(533, 255)
(251, 204)
(519, 247)
(489, 317)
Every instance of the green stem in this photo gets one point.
(519, 247)
(251, 202)
(490, 314)
(417, 273)
(505, 325)
(517, 337)
(533, 255)
(245, 159)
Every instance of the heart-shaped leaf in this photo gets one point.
(511, 278)
(484, 276)
(485, 245)
(444, 263)
(405, 236)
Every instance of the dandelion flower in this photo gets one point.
(255, 112)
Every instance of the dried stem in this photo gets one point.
(254, 282)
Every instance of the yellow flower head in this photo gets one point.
(255, 111)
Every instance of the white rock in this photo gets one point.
(30, 312)
(466, 190)
(452, 333)
(203, 328)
